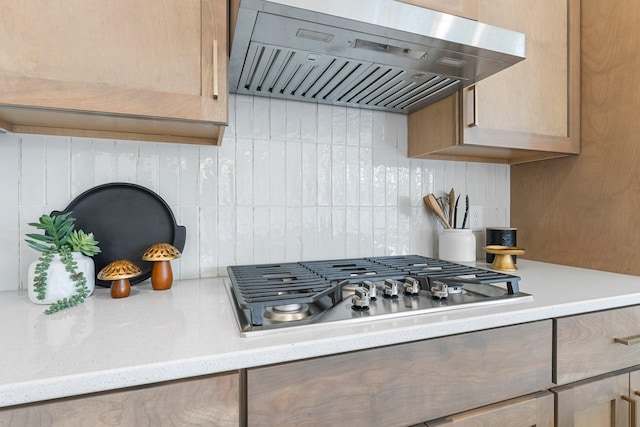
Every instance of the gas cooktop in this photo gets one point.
(276, 296)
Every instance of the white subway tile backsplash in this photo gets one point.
(261, 233)
(366, 128)
(310, 233)
(127, 161)
(291, 181)
(325, 123)
(10, 237)
(353, 126)
(366, 176)
(293, 173)
(57, 170)
(352, 176)
(188, 266)
(189, 174)
(338, 125)
(261, 118)
(207, 235)
(208, 191)
(169, 173)
(294, 120)
(227, 238)
(309, 174)
(293, 234)
(226, 174)
(33, 171)
(379, 183)
(244, 234)
(10, 147)
(244, 117)
(323, 173)
(244, 172)
(277, 239)
(324, 243)
(278, 119)
(261, 167)
(308, 122)
(277, 173)
(338, 175)
(148, 167)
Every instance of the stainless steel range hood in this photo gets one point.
(378, 54)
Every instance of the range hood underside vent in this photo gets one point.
(305, 76)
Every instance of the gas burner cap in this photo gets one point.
(455, 289)
(287, 312)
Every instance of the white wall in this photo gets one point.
(291, 181)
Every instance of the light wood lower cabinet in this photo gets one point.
(595, 362)
(599, 402)
(593, 344)
(403, 384)
(532, 410)
(205, 401)
(143, 70)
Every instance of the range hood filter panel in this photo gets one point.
(284, 73)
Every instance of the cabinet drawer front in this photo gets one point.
(403, 384)
(204, 401)
(586, 344)
(531, 410)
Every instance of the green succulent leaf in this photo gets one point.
(60, 237)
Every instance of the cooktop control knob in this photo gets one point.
(411, 286)
(390, 288)
(371, 288)
(439, 290)
(361, 299)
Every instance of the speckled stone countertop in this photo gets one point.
(191, 330)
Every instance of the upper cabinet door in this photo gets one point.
(530, 111)
(164, 61)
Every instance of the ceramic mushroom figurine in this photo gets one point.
(161, 255)
(119, 272)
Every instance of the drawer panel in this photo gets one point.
(585, 344)
(403, 384)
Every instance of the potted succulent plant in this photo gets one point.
(64, 274)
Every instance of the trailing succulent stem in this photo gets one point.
(60, 238)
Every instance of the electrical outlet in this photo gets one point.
(475, 217)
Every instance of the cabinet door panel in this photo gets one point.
(528, 112)
(143, 44)
(531, 95)
(132, 70)
(593, 403)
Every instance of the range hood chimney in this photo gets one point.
(376, 54)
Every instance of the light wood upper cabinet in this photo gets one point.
(141, 70)
(530, 111)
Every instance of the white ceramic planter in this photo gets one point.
(457, 245)
(59, 284)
